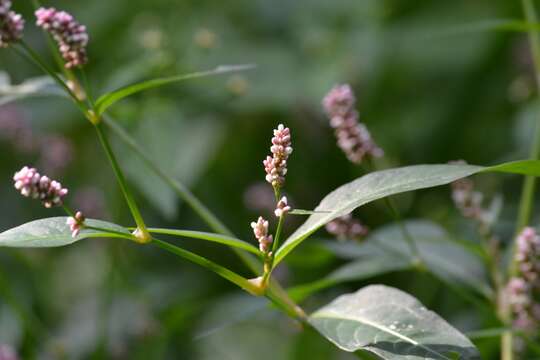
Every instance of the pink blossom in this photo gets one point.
(75, 223)
(282, 207)
(352, 136)
(260, 230)
(70, 36)
(11, 24)
(276, 166)
(345, 227)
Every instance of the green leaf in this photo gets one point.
(386, 250)
(380, 184)
(447, 259)
(106, 100)
(364, 268)
(37, 86)
(487, 25)
(390, 324)
(221, 239)
(52, 232)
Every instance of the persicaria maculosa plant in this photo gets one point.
(384, 321)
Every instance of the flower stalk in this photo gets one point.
(141, 233)
(529, 184)
(72, 39)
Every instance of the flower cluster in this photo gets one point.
(352, 136)
(345, 227)
(260, 229)
(31, 184)
(70, 36)
(276, 165)
(75, 223)
(276, 169)
(528, 255)
(11, 24)
(522, 290)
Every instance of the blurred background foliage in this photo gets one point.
(430, 90)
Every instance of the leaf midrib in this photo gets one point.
(285, 250)
(332, 316)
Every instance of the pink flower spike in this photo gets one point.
(31, 184)
(352, 136)
(70, 36)
(11, 25)
(346, 228)
(276, 165)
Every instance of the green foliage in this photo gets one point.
(391, 324)
(206, 139)
(54, 232)
(386, 250)
(377, 185)
(107, 100)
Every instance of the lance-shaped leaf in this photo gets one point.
(380, 184)
(52, 232)
(392, 325)
(106, 100)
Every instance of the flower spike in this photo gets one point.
(31, 184)
(352, 136)
(70, 36)
(276, 166)
(11, 24)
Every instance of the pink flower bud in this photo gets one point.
(75, 223)
(260, 230)
(282, 207)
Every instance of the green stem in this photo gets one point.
(274, 289)
(270, 261)
(183, 192)
(272, 293)
(216, 238)
(142, 234)
(275, 245)
(527, 192)
(36, 59)
(68, 210)
(210, 265)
